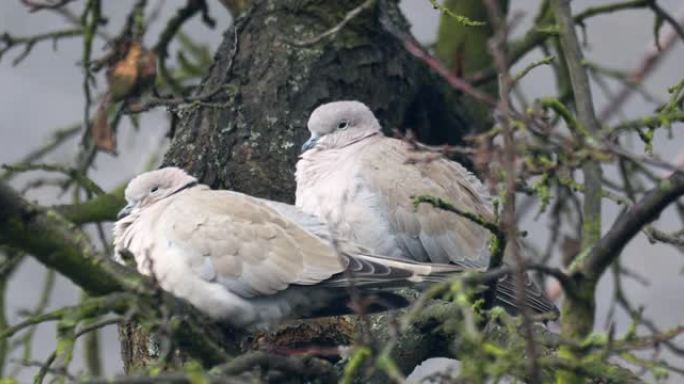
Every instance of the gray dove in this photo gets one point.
(250, 261)
(362, 184)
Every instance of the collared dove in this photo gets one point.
(250, 261)
(362, 183)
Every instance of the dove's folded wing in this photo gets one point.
(234, 239)
(396, 174)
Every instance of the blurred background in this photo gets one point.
(44, 92)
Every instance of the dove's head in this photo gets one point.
(150, 187)
(340, 123)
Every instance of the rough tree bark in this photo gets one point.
(247, 138)
(271, 85)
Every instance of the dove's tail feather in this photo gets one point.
(535, 300)
(372, 271)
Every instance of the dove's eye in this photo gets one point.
(154, 189)
(343, 125)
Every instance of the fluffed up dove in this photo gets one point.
(250, 261)
(362, 184)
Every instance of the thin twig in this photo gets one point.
(548, 60)
(153, 102)
(332, 32)
(544, 28)
(58, 138)
(655, 234)
(172, 27)
(663, 14)
(653, 56)
(91, 19)
(657, 120)
(609, 8)
(414, 48)
(39, 309)
(9, 42)
(71, 173)
(35, 6)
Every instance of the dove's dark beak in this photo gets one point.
(309, 143)
(125, 211)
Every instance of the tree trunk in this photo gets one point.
(251, 142)
(248, 135)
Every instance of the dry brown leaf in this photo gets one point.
(101, 132)
(134, 73)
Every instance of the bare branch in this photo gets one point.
(56, 243)
(8, 41)
(609, 8)
(35, 6)
(60, 245)
(174, 25)
(414, 48)
(73, 174)
(664, 15)
(643, 212)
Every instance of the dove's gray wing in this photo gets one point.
(395, 174)
(243, 244)
(364, 269)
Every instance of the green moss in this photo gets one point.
(195, 373)
(665, 185)
(354, 364)
(543, 192)
(578, 320)
(591, 230)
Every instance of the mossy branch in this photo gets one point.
(654, 121)
(58, 244)
(548, 60)
(461, 19)
(565, 114)
(445, 205)
(98, 209)
(61, 245)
